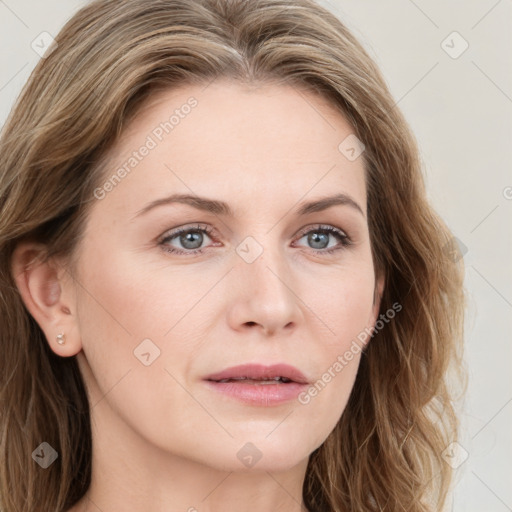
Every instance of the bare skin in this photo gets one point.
(162, 439)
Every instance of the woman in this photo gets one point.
(222, 285)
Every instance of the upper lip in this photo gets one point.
(259, 372)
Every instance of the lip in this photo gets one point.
(260, 371)
(251, 392)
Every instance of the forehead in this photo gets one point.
(272, 142)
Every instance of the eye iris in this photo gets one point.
(190, 240)
(318, 238)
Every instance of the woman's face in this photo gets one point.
(252, 279)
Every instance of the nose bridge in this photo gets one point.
(263, 282)
(263, 260)
(270, 270)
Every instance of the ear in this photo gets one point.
(48, 292)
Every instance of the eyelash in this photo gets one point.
(345, 241)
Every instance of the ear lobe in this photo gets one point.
(46, 295)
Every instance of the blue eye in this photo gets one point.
(191, 239)
(319, 239)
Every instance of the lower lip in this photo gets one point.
(259, 394)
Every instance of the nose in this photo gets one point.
(264, 295)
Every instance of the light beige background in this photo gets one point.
(461, 112)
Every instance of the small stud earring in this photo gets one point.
(61, 339)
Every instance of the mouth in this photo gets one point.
(260, 374)
(259, 385)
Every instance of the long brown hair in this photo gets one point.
(386, 451)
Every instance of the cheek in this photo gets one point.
(115, 315)
(344, 309)
(134, 369)
(139, 326)
(124, 298)
(342, 302)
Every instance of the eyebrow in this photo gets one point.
(221, 208)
